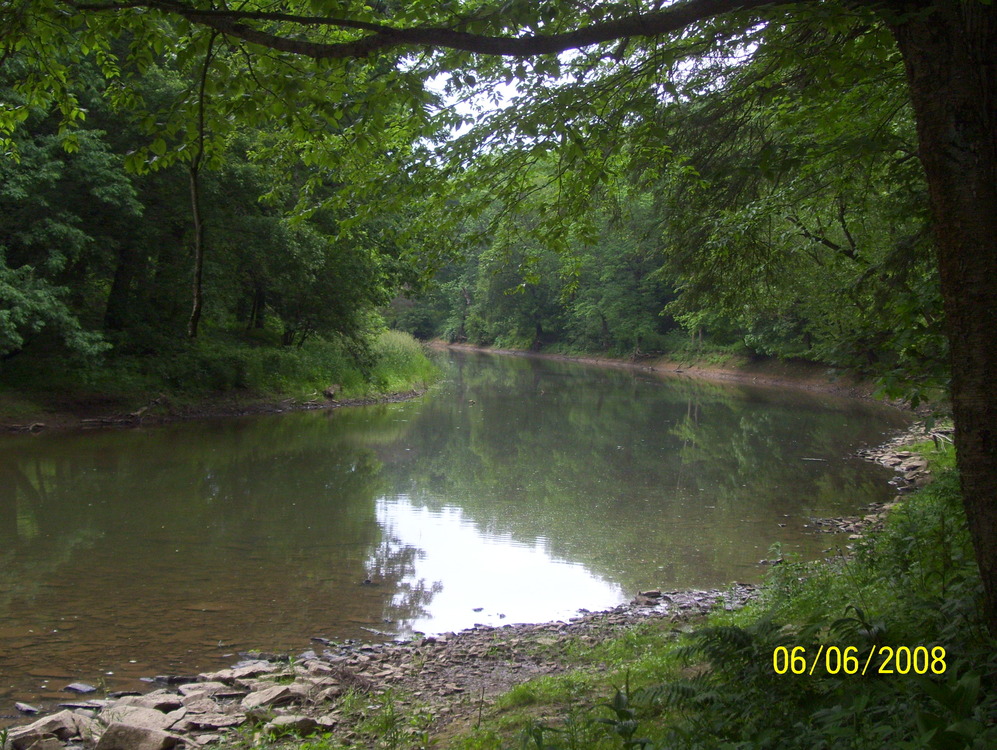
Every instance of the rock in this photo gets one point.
(214, 721)
(24, 708)
(204, 688)
(80, 687)
(61, 725)
(160, 700)
(200, 704)
(174, 679)
(330, 694)
(254, 669)
(299, 725)
(328, 721)
(46, 743)
(209, 738)
(138, 716)
(318, 668)
(278, 695)
(21, 738)
(126, 737)
(224, 675)
(87, 728)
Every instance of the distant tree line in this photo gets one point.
(769, 213)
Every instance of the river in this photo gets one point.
(517, 490)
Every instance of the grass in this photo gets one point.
(227, 366)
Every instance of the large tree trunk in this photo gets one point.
(949, 51)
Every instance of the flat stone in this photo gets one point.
(24, 708)
(21, 738)
(91, 705)
(200, 704)
(254, 669)
(46, 743)
(214, 721)
(80, 687)
(207, 688)
(137, 716)
(160, 700)
(175, 679)
(330, 694)
(223, 675)
(328, 721)
(208, 738)
(277, 695)
(318, 668)
(87, 728)
(126, 737)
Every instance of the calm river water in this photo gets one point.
(517, 490)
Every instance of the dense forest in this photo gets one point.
(757, 210)
(126, 265)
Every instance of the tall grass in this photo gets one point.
(231, 365)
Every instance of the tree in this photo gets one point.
(947, 47)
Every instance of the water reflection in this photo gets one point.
(523, 487)
(475, 577)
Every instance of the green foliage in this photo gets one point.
(917, 584)
(97, 257)
(30, 306)
(229, 367)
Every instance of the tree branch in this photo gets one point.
(383, 37)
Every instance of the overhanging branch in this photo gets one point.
(381, 37)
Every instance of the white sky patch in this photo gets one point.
(505, 580)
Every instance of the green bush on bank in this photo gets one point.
(225, 364)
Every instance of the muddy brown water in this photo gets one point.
(518, 490)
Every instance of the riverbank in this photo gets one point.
(798, 374)
(235, 381)
(90, 413)
(441, 680)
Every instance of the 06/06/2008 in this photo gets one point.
(835, 660)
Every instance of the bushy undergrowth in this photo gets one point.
(913, 585)
(220, 364)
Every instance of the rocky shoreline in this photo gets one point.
(912, 473)
(448, 675)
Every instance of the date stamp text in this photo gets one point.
(833, 660)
